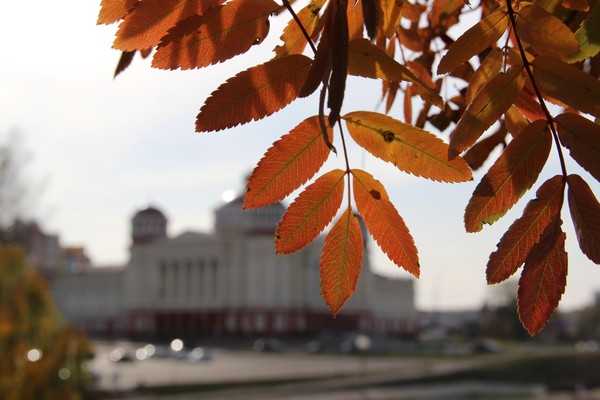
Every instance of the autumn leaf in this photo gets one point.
(588, 37)
(568, 84)
(411, 149)
(489, 68)
(515, 121)
(478, 38)
(383, 222)
(481, 150)
(582, 137)
(151, 19)
(513, 173)
(391, 14)
(525, 232)
(112, 11)
(585, 212)
(292, 37)
(341, 261)
(124, 61)
(220, 34)
(310, 212)
(369, 61)
(486, 108)
(543, 279)
(254, 93)
(288, 164)
(545, 32)
(339, 61)
(370, 16)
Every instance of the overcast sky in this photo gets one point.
(100, 147)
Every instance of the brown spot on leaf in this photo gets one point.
(376, 195)
(388, 136)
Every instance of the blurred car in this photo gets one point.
(268, 344)
(198, 354)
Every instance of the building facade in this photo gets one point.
(226, 282)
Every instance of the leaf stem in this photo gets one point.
(346, 160)
(527, 66)
(287, 5)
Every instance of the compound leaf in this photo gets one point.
(112, 11)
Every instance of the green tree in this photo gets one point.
(42, 357)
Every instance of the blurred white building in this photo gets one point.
(229, 281)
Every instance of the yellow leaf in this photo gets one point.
(391, 14)
(478, 38)
(411, 149)
(588, 37)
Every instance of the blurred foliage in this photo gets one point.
(42, 358)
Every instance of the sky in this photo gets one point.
(99, 148)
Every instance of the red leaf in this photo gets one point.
(526, 231)
(582, 137)
(288, 164)
(543, 280)
(513, 173)
(585, 212)
(310, 212)
(341, 261)
(220, 34)
(383, 222)
(151, 19)
(254, 94)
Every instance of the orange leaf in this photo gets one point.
(356, 21)
(585, 212)
(582, 137)
(526, 231)
(475, 40)
(369, 61)
(588, 36)
(254, 93)
(292, 37)
(391, 13)
(545, 32)
(113, 10)
(489, 68)
(151, 19)
(288, 164)
(513, 173)
(543, 280)
(411, 149)
(515, 121)
(341, 261)
(568, 84)
(220, 34)
(383, 221)
(578, 5)
(488, 105)
(310, 212)
(370, 17)
(444, 14)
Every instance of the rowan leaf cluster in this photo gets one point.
(526, 84)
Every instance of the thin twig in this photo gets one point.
(527, 66)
